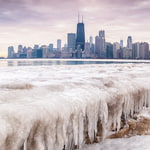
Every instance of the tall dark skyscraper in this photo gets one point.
(80, 35)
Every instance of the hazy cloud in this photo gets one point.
(50, 19)
(23, 11)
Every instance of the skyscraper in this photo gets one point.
(80, 35)
(129, 42)
(91, 45)
(58, 44)
(144, 50)
(10, 52)
(50, 47)
(100, 48)
(136, 51)
(116, 48)
(87, 46)
(71, 41)
(91, 41)
(20, 49)
(102, 44)
(102, 33)
(121, 43)
(36, 46)
(44, 49)
(97, 46)
(109, 50)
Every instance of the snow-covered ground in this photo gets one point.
(47, 107)
(133, 143)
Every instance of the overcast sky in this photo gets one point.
(30, 22)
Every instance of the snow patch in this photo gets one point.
(133, 143)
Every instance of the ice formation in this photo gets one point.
(133, 143)
(63, 107)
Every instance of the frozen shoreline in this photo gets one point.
(133, 143)
(50, 62)
(52, 106)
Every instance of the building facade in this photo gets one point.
(59, 45)
(71, 41)
(129, 42)
(80, 36)
(10, 52)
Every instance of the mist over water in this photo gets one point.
(49, 106)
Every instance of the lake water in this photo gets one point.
(49, 62)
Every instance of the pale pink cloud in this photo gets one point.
(37, 21)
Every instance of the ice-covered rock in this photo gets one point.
(64, 107)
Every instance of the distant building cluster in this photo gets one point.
(76, 47)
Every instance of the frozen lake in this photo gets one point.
(49, 62)
(48, 106)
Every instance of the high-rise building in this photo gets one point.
(29, 52)
(44, 49)
(20, 49)
(100, 48)
(91, 41)
(80, 35)
(102, 33)
(121, 43)
(144, 50)
(136, 50)
(36, 46)
(140, 50)
(87, 46)
(109, 50)
(116, 47)
(129, 42)
(78, 52)
(59, 45)
(127, 53)
(24, 50)
(39, 53)
(50, 47)
(71, 41)
(10, 52)
(102, 44)
(91, 45)
(97, 46)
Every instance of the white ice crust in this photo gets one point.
(133, 143)
(47, 107)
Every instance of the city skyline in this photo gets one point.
(41, 22)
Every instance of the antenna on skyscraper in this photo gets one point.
(78, 17)
(82, 19)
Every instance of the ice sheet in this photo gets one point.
(47, 107)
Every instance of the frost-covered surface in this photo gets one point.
(47, 107)
(144, 113)
(133, 143)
